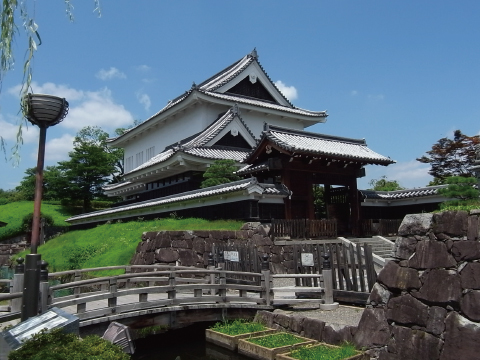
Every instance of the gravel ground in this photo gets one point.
(344, 315)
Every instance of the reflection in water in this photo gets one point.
(183, 344)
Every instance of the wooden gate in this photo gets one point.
(238, 257)
(352, 268)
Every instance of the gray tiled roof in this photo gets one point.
(402, 194)
(250, 168)
(190, 195)
(214, 153)
(319, 144)
(214, 129)
(117, 185)
(195, 146)
(227, 74)
(266, 104)
(209, 86)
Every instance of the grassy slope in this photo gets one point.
(115, 244)
(13, 214)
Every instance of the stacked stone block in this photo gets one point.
(311, 328)
(426, 303)
(191, 248)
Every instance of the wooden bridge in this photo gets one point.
(170, 296)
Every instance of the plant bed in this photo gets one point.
(267, 347)
(324, 352)
(227, 334)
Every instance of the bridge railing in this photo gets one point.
(158, 286)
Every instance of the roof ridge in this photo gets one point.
(270, 127)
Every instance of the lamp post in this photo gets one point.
(43, 111)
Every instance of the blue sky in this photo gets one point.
(401, 74)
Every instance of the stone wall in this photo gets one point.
(11, 247)
(309, 327)
(426, 303)
(191, 248)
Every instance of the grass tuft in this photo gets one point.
(323, 352)
(237, 327)
(276, 340)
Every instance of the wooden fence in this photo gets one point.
(303, 229)
(239, 258)
(353, 268)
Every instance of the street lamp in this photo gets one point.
(43, 111)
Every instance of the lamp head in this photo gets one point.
(44, 110)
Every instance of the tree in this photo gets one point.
(220, 172)
(451, 157)
(97, 137)
(383, 184)
(319, 201)
(461, 188)
(90, 167)
(16, 15)
(52, 176)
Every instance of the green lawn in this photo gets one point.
(114, 244)
(13, 213)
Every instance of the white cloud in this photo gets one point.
(290, 92)
(97, 109)
(377, 97)
(86, 108)
(143, 68)
(354, 92)
(9, 132)
(409, 174)
(144, 99)
(57, 149)
(52, 89)
(109, 74)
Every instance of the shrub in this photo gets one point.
(58, 345)
(28, 220)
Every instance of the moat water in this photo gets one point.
(183, 344)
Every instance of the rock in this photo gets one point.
(461, 338)
(473, 228)
(399, 278)
(198, 245)
(431, 254)
(373, 329)
(407, 310)
(296, 323)
(379, 295)
(415, 224)
(466, 250)
(265, 318)
(404, 247)
(440, 287)
(182, 243)
(470, 276)
(166, 255)
(436, 320)
(335, 334)
(250, 225)
(282, 319)
(453, 223)
(313, 328)
(470, 305)
(162, 240)
(187, 257)
(414, 345)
